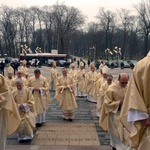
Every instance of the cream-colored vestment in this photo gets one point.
(90, 90)
(73, 74)
(41, 97)
(81, 85)
(9, 116)
(25, 71)
(9, 82)
(27, 113)
(53, 78)
(136, 107)
(112, 98)
(66, 97)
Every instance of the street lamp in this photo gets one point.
(108, 51)
(118, 53)
(94, 51)
(1, 52)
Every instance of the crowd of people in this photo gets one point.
(122, 104)
(117, 114)
(23, 102)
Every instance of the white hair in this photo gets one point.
(18, 81)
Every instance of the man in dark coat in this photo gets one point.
(2, 66)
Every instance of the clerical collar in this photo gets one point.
(65, 77)
(19, 91)
(148, 53)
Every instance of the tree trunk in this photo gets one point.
(146, 44)
(62, 45)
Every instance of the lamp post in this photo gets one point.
(1, 51)
(94, 51)
(118, 52)
(18, 48)
(108, 51)
(94, 48)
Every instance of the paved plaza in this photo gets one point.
(83, 133)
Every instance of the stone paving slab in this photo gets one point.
(36, 147)
(67, 134)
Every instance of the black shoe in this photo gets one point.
(21, 141)
(43, 123)
(38, 124)
(28, 140)
(113, 148)
(65, 119)
(25, 141)
(70, 120)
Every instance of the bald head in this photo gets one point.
(123, 75)
(123, 79)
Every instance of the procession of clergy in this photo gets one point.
(23, 102)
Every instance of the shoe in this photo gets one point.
(65, 119)
(38, 124)
(21, 141)
(25, 141)
(70, 120)
(43, 123)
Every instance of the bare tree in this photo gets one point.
(93, 29)
(133, 44)
(48, 22)
(60, 27)
(24, 25)
(37, 13)
(33, 21)
(106, 20)
(65, 19)
(143, 10)
(8, 29)
(125, 20)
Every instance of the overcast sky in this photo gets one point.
(88, 7)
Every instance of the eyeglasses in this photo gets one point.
(124, 82)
